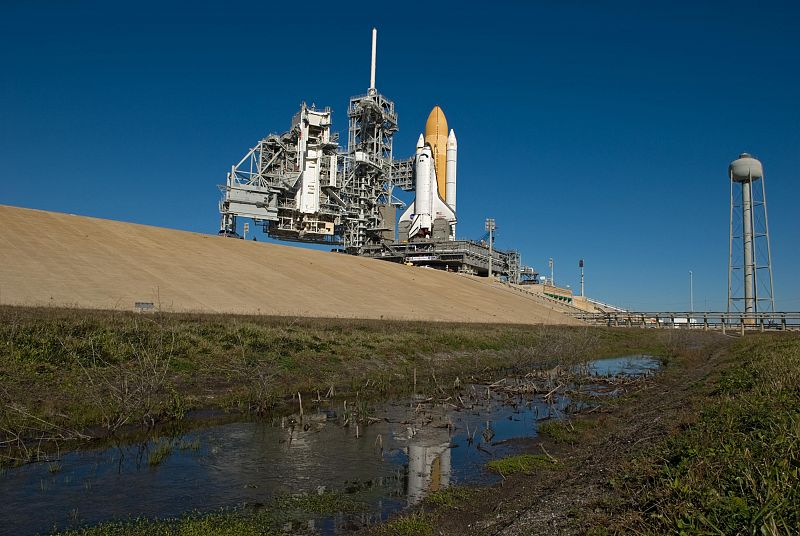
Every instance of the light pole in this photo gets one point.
(490, 226)
(580, 265)
(552, 277)
(691, 292)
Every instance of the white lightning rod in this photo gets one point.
(372, 65)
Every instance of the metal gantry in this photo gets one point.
(287, 183)
(367, 187)
(300, 186)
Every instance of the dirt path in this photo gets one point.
(568, 500)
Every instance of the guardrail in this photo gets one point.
(724, 321)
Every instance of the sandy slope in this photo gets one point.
(48, 258)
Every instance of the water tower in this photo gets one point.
(750, 259)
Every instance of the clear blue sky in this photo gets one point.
(591, 132)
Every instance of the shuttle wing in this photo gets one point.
(408, 212)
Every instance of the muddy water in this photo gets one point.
(412, 447)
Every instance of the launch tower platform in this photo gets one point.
(463, 256)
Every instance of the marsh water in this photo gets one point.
(409, 448)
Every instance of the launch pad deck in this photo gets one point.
(451, 255)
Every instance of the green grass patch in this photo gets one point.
(736, 468)
(417, 524)
(521, 463)
(272, 520)
(451, 497)
(564, 431)
(322, 503)
(217, 524)
(161, 450)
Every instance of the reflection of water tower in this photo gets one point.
(750, 260)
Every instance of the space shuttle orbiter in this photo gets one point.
(435, 172)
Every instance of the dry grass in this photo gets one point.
(70, 374)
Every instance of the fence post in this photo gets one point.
(783, 321)
(741, 322)
(705, 321)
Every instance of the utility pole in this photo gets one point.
(552, 277)
(691, 292)
(246, 228)
(580, 265)
(490, 226)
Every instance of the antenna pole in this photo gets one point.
(372, 65)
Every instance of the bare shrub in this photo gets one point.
(24, 435)
(566, 346)
(134, 389)
(256, 376)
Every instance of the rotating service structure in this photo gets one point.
(286, 182)
(750, 288)
(301, 186)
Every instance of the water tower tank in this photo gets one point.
(745, 168)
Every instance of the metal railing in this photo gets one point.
(724, 321)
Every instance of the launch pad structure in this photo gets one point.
(302, 186)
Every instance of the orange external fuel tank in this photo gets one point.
(436, 136)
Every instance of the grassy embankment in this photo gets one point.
(69, 375)
(734, 469)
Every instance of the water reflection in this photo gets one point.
(429, 466)
(409, 449)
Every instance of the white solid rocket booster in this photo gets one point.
(450, 175)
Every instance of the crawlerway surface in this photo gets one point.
(386, 456)
(592, 450)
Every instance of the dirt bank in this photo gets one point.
(53, 259)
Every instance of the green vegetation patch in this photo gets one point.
(323, 503)
(564, 431)
(736, 469)
(521, 463)
(217, 524)
(272, 520)
(451, 497)
(417, 524)
(161, 450)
